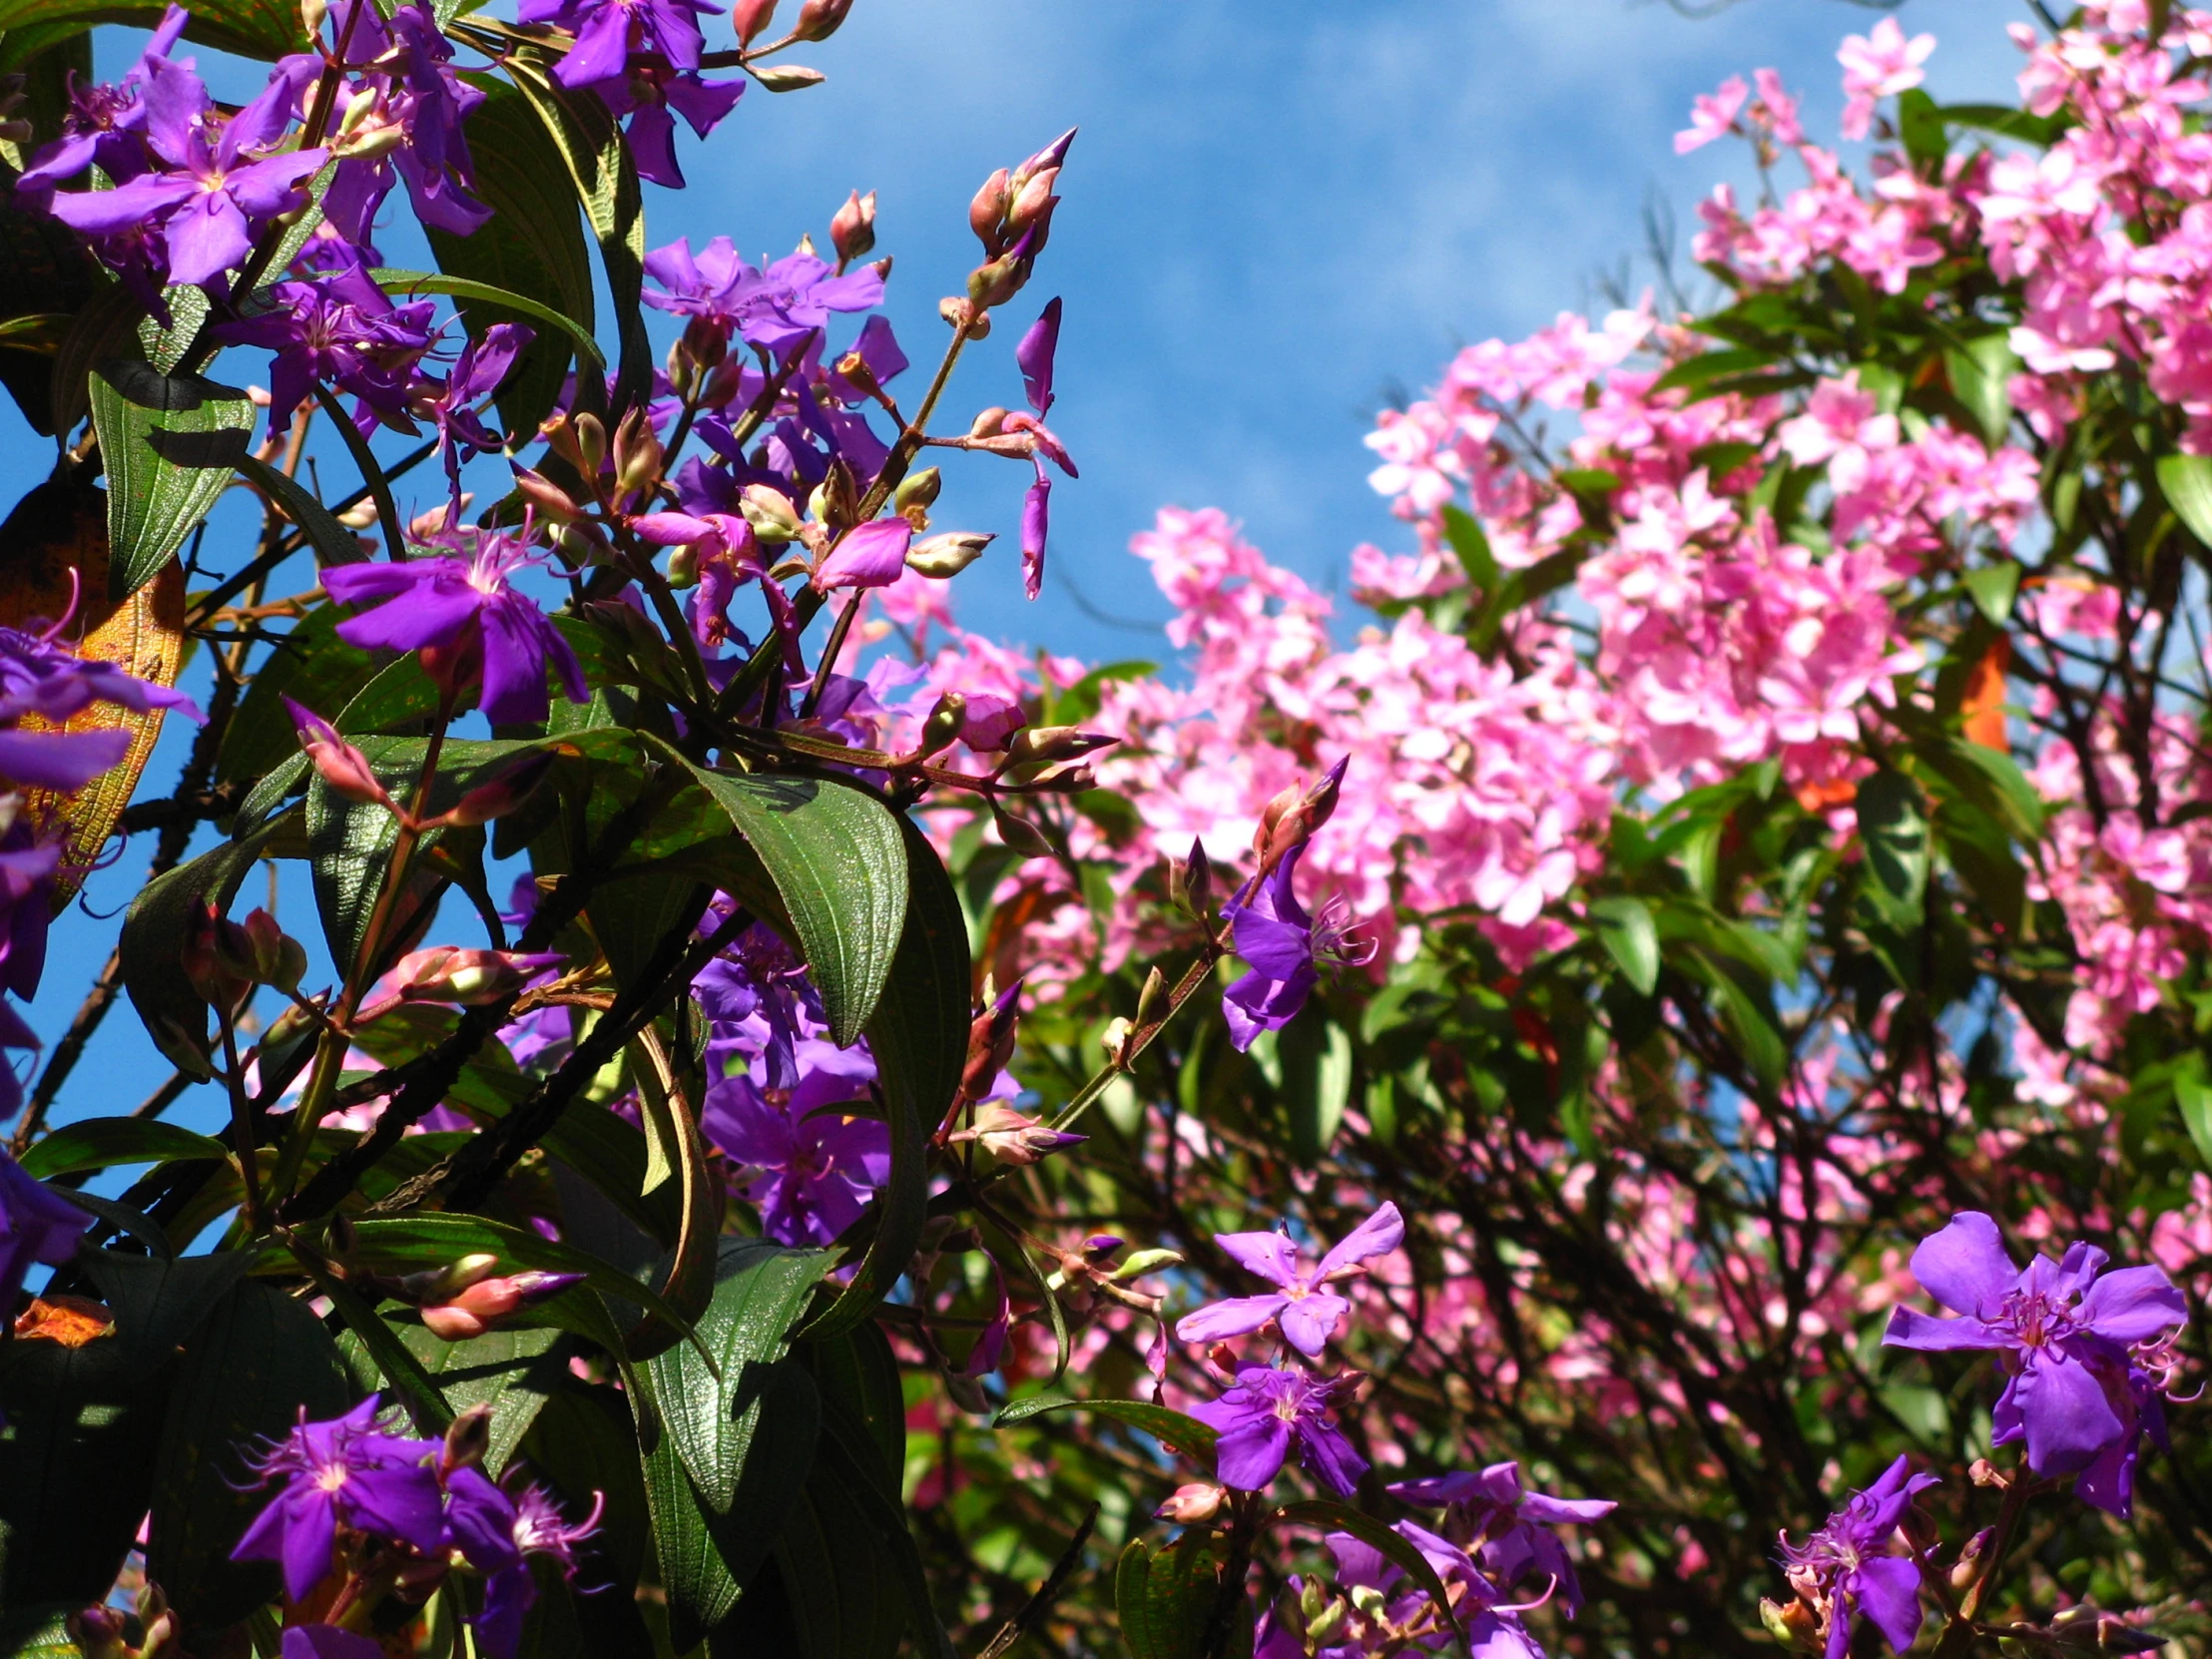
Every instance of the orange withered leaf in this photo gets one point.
(70, 1320)
(1982, 707)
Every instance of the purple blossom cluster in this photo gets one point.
(357, 1502)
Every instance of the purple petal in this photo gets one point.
(1327, 1455)
(326, 1641)
(206, 237)
(1890, 1595)
(432, 615)
(1034, 357)
(2131, 1306)
(514, 660)
(1250, 1452)
(1269, 1256)
(1036, 521)
(1379, 1234)
(869, 556)
(1929, 1334)
(101, 213)
(2063, 1408)
(1310, 1321)
(60, 760)
(1238, 1317)
(1965, 1267)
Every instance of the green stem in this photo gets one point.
(1960, 1633)
(372, 475)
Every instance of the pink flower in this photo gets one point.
(1876, 67)
(1712, 115)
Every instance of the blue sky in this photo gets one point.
(1277, 218)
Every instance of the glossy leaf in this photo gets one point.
(169, 444)
(1625, 929)
(102, 1143)
(2186, 482)
(1171, 1429)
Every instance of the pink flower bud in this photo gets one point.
(1193, 1505)
(483, 1303)
(750, 17)
(852, 229)
(819, 19)
(988, 211)
(502, 795)
(1015, 1139)
(446, 973)
(342, 767)
(992, 721)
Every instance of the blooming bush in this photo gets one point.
(804, 1130)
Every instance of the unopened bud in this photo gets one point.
(467, 1438)
(786, 77)
(992, 284)
(1115, 1041)
(502, 795)
(1144, 1262)
(480, 1306)
(819, 19)
(1313, 1596)
(1035, 193)
(1967, 1567)
(637, 454)
(1193, 1505)
(1191, 883)
(948, 718)
(589, 433)
(548, 498)
(1079, 778)
(1019, 834)
(276, 958)
(1325, 1624)
(770, 512)
(344, 768)
(1983, 1472)
(987, 211)
(990, 1045)
(1039, 745)
(942, 557)
(988, 424)
(852, 229)
(1795, 1625)
(750, 17)
(1014, 1138)
(1152, 997)
(311, 16)
(918, 489)
(958, 312)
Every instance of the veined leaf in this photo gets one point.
(102, 1143)
(169, 443)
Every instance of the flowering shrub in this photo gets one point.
(760, 1167)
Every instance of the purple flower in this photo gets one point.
(432, 104)
(467, 620)
(1496, 1634)
(609, 32)
(1510, 1523)
(775, 307)
(104, 125)
(36, 1225)
(13, 1034)
(1036, 520)
(206, 195)
(40, 678)
(455, 407)
(497, 1534)
(340, 330)
(1306, 1311)
(2072, 1389)
(1285, 948)
(343, 1473)
(1034, 358)
(1840, 1575)
(652, 97)
(27, 868)
(872, 555)
(811, 1169)
(1267, 1415)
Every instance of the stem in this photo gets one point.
(372, 475)
(1221, 1624)
(242, 1127)
(1963, 1629)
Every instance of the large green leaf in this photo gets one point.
(81, 1425)
(1892, 827)
(350, 851)
(839, 864)
(1165, 1600)
(761, 1288)
(514, 1372)
(251, 28)
(600, 166)
(1171, 1429)
(154, 932)
(103, 1143)
(1626, 928)
(918, 1036)
(258, 1360)
(582, 1444)
(169, 444)
(534, 244)
(2186, 482)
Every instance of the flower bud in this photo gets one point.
(312, 13)
(1325, 1624)
(1313, 1596)
(637, 455)
(213, 959)
(1795, 1625)
(444, 1284)
(1015, 1139)
(918, 489)
(987, 422)
(819, 19)
(1019, 834)
(942, 557)
(750, 17)
(1030, 203)
(958, 312)
(1144, 1262)
(1115, 1041)
(502, 795)
(590, 435)
(946, 719)
(447, 974)
(770, 512)
(276, 958)
(482, 1304)
(1191, 883)
(994, 284)
(342, 767)
(852, 227)
(1039, 745)
(1075, 780)
(1191, 1505)
(1152, 998)
(987, 211)
(467, 1438)
(788, 77)
(990, 1045)
(547, 498)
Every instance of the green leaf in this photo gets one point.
(839, 863)
(533, 246)
(40, 1633)
(1921, 124)
(584, 1446)
(1399, 1552)
(393, 1359)
(248, 1372)
(841, 1459)
(606, 181)
(1316, 1057)
(1892, 827)
(82, 1427)
(169, 444)
(349, 848)
(465, 287)
(1625, 929)
(251, 28)
(1993, 589)
(333, 542)
(2186, 483)
(918, 1036)
(2193, 1094)
(707, 1555)
(514, 1372)
(1171, 1429)
(155, 930)
(1165, 1600)
(1465, 534)
(761, 1288)
(1980, 378)
(842, 1590)
(2004, 119)
(102, 1143)
(1696, 374)
(858, 1375)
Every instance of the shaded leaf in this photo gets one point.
(169, 444)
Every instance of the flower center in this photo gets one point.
(2036, 1319)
